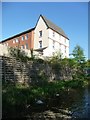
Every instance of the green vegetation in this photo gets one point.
(22, 95)
(73, 76)
(16, 98)
(20, 54)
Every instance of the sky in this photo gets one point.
(72, 17)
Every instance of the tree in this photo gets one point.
(79, 58)
(78, 54)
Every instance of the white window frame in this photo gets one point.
(16, 40)
(22, 47)
(26, 37)
(23, 38)
(26, 45)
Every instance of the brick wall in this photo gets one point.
(12, 42)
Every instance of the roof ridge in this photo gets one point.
(16, 35)
(53, 26)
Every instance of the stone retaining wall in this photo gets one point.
(28, 72)
(17, 71)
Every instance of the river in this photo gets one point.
(81, 106)
(75, 100)
(78, 102)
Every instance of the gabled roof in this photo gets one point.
(53, 26)
(17, 35)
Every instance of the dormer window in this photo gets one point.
(40, 33)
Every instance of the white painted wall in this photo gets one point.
(3, 50)
(60, 43)
(45, 43)
(48, 38)
(41, 26)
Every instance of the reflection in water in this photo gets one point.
(89, 101)
(78, 102)
(81, 108)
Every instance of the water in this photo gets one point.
(82, 106)
(78, 101)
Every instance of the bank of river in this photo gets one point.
(77, 101)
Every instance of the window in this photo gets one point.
(26, 36)
(26, 46)
(40, 33)
(53, 44)
(53, 34)
(59, 37)
(6, 44)
(40, 44)
(22, 46)
(60, 46)
(22, 37)
(16, 40)
(65, 49)
(65, 40)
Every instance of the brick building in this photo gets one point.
(45, 39)
(24, 40)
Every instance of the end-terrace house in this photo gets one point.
(49, 38)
